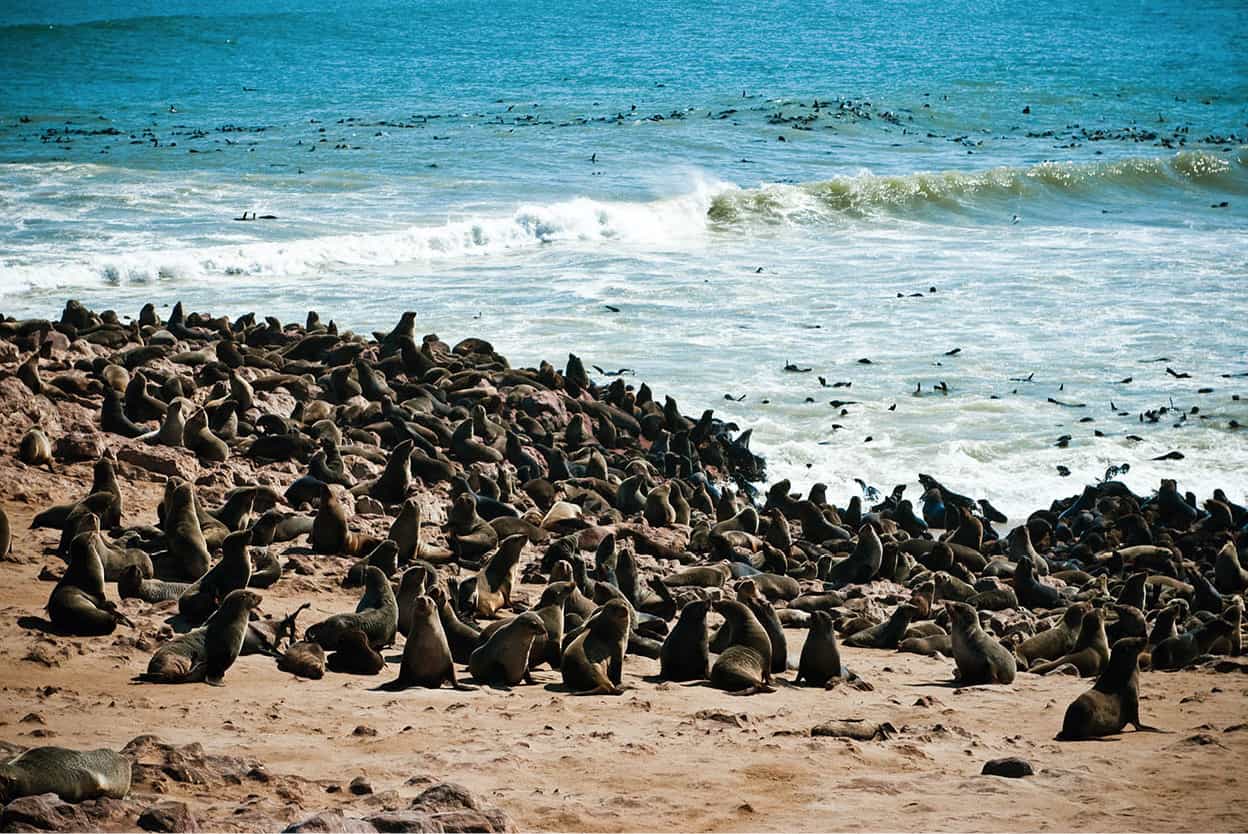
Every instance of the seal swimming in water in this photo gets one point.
(979, 658)
(593, 662)
(73, 775)
(1113, 702)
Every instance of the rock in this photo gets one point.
(737, 719)
(161, 460)
(155, 761)
(364, 730)
(329, 821)
(405, 821)
(77, 446)
(15, 400)
(1011, 767)
(168, 815)
(360, 786)
(856, 729)
(45, 812)
(444, 796)
(455, 808)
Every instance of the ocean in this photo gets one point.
(1031, 219)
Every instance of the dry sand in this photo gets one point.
(661, 757)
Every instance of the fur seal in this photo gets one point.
(35, 449)
(233, 571)
(303, 659)
(6, 533)
(460, 636)
(427, 660)
(685, 655)
(747, 592)
(1052, 643)
(888, 634)
(206, 653)
(820, 662)
(377, 615)
(354, 656)
(744, 668)
(188, 558)
(593, 662)
(979, 658)
(1113, 702)
(1176, 652)
(132, 585)
(494, 581)
(863, 563)
(1091, 651)
(384, 556)
(77, 604)
(503, 659)
(73, 775)
(330, 533)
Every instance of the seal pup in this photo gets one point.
(35, 449)
(744, 668)
(77, 604)
(1113, 702)
(593, 662)
(1091, 651)
(377, 615)
(820, 663)
(354, 656)
(427, 660)
(503, 659)
(685, 655)
(979, 658)
(303, 659)
(73, 775)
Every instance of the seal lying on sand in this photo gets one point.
(73, 775)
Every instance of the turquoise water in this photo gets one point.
(1057, 171)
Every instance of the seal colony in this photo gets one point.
(439, 480)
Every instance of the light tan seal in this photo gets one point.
(73, 775)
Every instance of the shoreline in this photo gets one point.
(661, 756)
